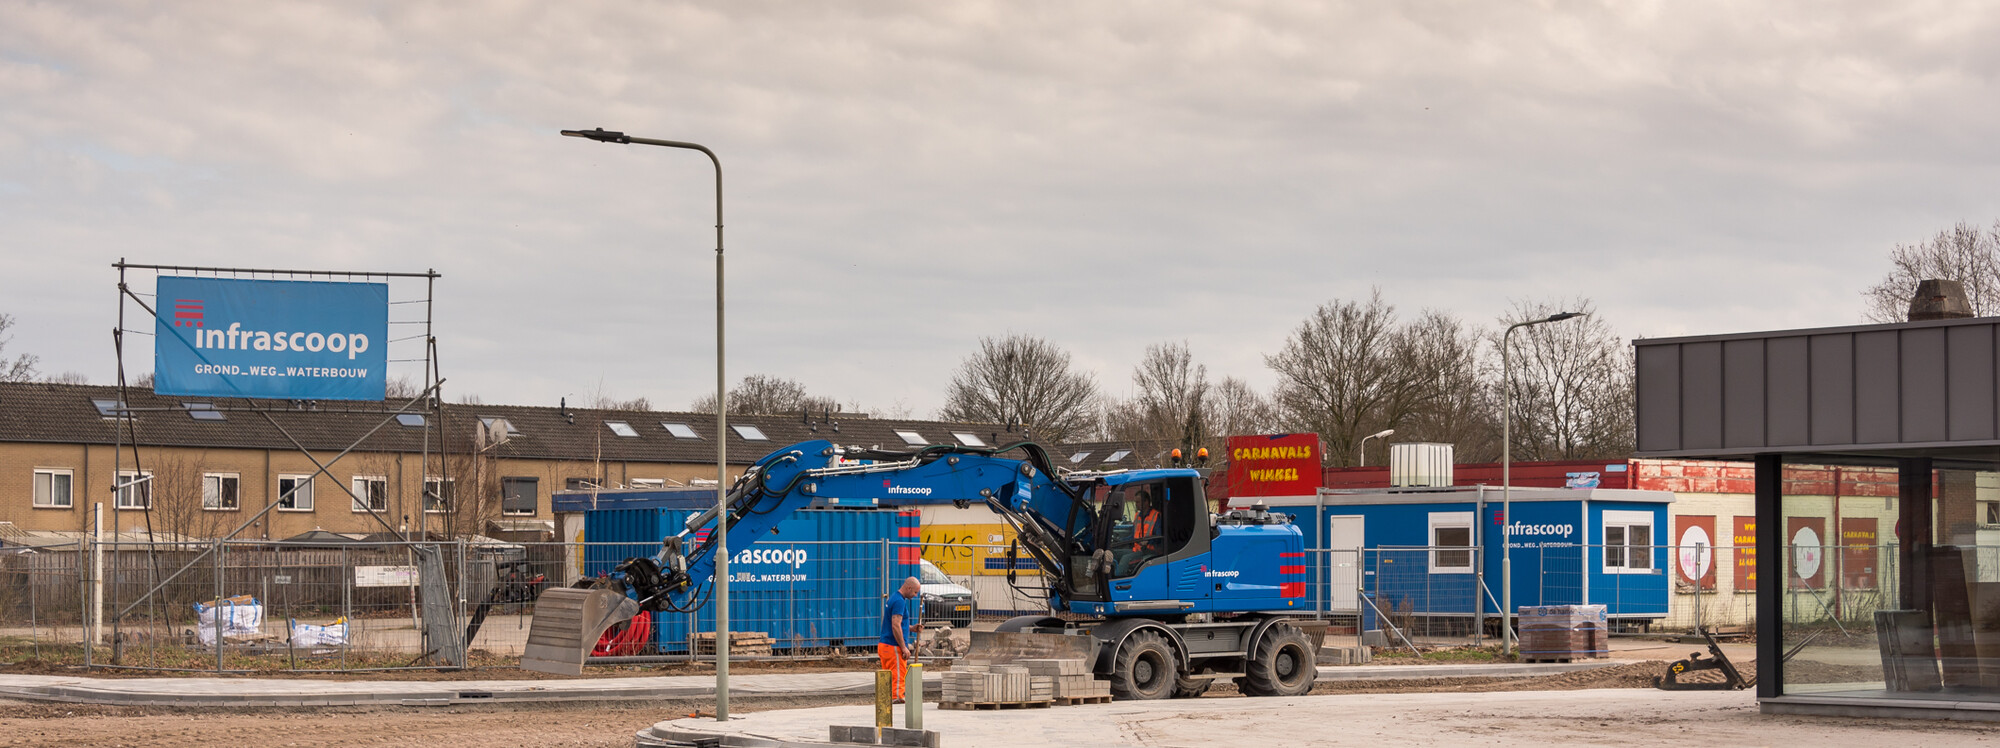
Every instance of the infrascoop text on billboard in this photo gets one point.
(230, 337)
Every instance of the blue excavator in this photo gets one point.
(1158, 592)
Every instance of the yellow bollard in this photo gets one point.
(913, 700)
(884, 715)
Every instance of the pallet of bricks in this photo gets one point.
(1563, 633)
(1025, 683)
(746, 643)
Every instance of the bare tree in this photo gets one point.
(1172, 400)
(1573, 386)
(68, 377)
(762, 394)
(1239, 409)
(1021, 379)
(177, 497)
(400, 388)
(1964, 253)
(1446, 359)
(602, 399)
(20, 368)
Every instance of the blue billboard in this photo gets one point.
(225, 337)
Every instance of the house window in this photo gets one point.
(295, 493)
(517, 495)
(111, 409)
(649, 483)
(438, 494)
(219, 491)
(410, 420)
(751, 433)
(912, 438)
(1451, 542)
(680, 430)
(135, 490)
(968, 439)
(623, 429)
(1079, 457)
(1628, 542)
(204, 412)
(1116, 456)
(581, 484)
(52, 489)
(371, 493)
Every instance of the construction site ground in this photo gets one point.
(1397, 701)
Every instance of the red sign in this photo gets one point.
(1745, 554)
(1694, 549)
(1274, 465)
(1858, 546)
(1806, 541)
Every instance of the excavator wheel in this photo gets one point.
(1282, 666)
(1189, 688)
(1144, 668)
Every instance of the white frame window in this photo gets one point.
(1457, 533)
(968, 439)
(622, 428)
(680, 430)
(912, 438)
(1629, 542)
(749, 433)
(375, 488)
(439, 493)
(221, 492)
(131, 496)
(296, 490)
(55, 488)
(648, 483)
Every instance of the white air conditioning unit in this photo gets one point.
(1420, 465)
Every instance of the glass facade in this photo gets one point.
(1887, 580)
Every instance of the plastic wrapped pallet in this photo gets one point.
(1563, 632)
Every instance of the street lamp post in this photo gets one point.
(602, 135)
(1361, 459)
(1507, 482)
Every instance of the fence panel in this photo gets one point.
(42, 603)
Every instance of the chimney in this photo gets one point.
(1939, 298)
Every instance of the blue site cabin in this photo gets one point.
(1414, 550)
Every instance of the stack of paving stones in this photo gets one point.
(1068, 681)
(1027, 683)
(1563, 633)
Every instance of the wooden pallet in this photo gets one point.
(971, 705)
(1074, 700)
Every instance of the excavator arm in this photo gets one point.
(1050, 517)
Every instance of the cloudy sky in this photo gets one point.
(904, 178)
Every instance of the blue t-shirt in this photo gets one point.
(898, 606)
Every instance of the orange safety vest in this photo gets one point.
(1146, 526)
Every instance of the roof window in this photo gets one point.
(968, 439)
(496, 422)
(204, 412)
(412, 420)
(623, 429)
(111, 408)
(1079, 457)
(751, 433)
(912, 438)
(1118, 455)
(680, 430)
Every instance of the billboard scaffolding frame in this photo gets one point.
(428, 401)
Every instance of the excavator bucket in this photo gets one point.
(568, 622)
(1006, 647)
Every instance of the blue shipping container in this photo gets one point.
(817, 580)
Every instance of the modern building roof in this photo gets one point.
(86, 414)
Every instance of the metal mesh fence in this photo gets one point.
(42, 603)
(262, 606)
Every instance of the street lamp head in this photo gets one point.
(600, 135)
(1560, 316)
(1382, 433)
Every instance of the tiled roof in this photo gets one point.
(1132, 454)
(65, 414)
